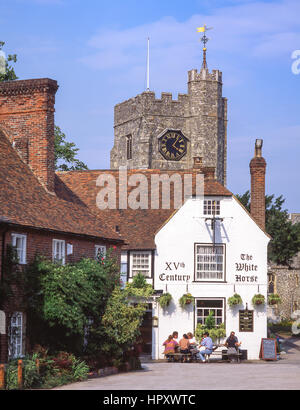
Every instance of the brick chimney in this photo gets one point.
(258, 172)
(27, 118)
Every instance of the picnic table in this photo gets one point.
(192, 357)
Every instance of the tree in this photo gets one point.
(285, 242)
(7, 72)
(66, 152)
(65, 303)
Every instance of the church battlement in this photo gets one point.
(146, 103)
(204, 74)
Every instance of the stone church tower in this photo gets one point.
(169, 134)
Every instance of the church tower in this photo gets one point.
(169, 134)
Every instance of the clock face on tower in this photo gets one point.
(172, 145)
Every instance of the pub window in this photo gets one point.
(211, 207)
(209, 262)
(204, 307)
(140, 263)
(19, 244)
(59, 251)
(129, 146)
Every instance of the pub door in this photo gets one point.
(146, 332)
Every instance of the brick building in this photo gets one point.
(38, 213)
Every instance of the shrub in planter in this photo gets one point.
(258, 299)
(186, 299)
(235, 300)
(164, 300)
(273, 299)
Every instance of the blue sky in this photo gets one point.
(96, 50)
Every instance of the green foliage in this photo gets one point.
(164, 300)
(185, 300)
(215, 332)
(7, 72)
(64, 301)
(273, 299)
(53, 371)
(258, 299)
(122, 321)
(139, 288)
(66, 152)
(234, 300)
(285, 242)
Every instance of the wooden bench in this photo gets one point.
(179, 356)
(220, 353)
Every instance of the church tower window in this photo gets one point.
(129, 146)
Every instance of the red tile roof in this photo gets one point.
(24, 201)
(138, 227)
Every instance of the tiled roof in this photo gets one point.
(137, 227)
(24, 201)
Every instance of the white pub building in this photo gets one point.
(212, 248)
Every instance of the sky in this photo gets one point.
(97, 52)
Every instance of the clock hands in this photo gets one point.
(173, 145)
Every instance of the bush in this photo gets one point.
(216, 333)
(53, 371)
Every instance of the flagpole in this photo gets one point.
(148, 65)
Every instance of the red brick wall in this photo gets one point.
(27, 118)
(258, 207)
(38, 242)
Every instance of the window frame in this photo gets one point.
(218, 207)
(23, 237)
(63, 251)
(223, 245)
(103, 251)
(216, 308)
(149, 253)
(12, 351)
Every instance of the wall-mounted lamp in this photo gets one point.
(154, 321)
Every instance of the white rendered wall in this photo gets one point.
(175, 243)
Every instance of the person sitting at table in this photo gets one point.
(209, 347)
(184, 345)
(232, 345)
(192, 339)
(170, 345)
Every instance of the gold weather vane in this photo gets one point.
(204, 40)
